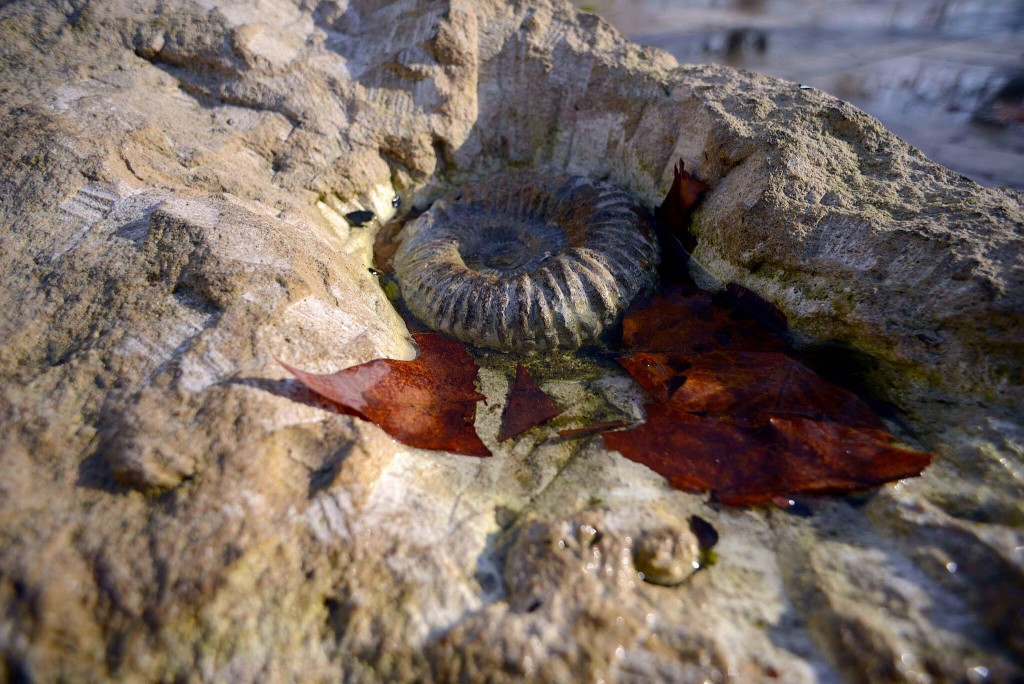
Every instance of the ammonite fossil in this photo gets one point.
(526, 261)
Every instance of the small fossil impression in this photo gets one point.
(525, 261)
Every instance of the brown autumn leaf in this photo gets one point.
(744, 465)
(747, 387)
(527, 406)
(674, 213)
(429, 402)
(659, 374)
(672, 223)
(686, 320)
(736, 416)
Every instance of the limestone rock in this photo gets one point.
(173, 187)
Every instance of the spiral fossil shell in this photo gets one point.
(526, 262)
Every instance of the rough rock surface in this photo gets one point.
(173, 186)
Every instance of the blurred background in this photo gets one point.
(945, 75)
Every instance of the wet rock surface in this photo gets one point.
(175, 182)
(666, 556)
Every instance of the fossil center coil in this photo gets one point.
(526, 261)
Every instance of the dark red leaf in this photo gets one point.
(682, 320)
(659, 374)
(592, 429)
(747, 387)
(672, 222)
(738, 417)
(751, 465)
(428, 403)
(843, 458)
(527, 406)
(684, 195)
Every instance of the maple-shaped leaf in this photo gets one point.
(686, 320)
(736, 416)
(747, 387)
(429, 402)
(743, 465)
(527, 406)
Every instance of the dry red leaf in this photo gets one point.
(527, 406)
(743, 465)
(684, 320)
(747, 387)
(429, 402)
(659, 374)
(684, 195)
(672, 221)
(737, 417)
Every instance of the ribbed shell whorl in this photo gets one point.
(525, 261)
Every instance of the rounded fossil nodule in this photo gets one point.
(525, 261)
